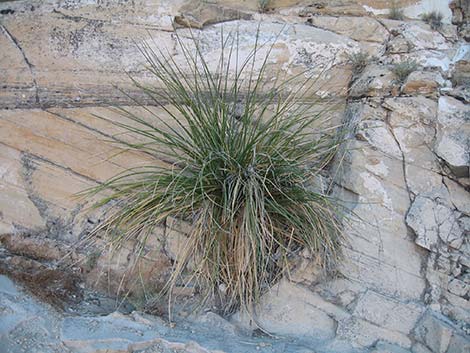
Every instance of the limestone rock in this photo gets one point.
(423, 83)
(34, 247)
(453, 135)
(433, 223)
(290, 310)
(459, 288)
(384, 347)
(338, 8)
(440, 335)
(459, 197)
(461, 92)
(460, 15)
(412, 123)
(75, 64)
(374, 81)
(362, 334)
(299, 49)
(113, 270)
(196, 14)
(420, 37)
(398, 45)
(461, 71)
(175, 243)
(27, 325)
(358, 28)
(449, 32)
(16, 208)
(388, 313)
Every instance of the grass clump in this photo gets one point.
(434, 19)
(263, 5)
(241, 154)
(403, 69)
(359, 61)
(396, 13)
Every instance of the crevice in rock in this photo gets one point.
(101, 21)
(112, 137)
(56, 226)
(39, 158)
(25, 58)
(446, 170)
(309, 23)
(411, 195)
(76, 18)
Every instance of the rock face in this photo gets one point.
(453, 135)
(26, 325)
(460, 16)
(403, 284)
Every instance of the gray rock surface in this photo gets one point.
(453, 135)
(27, 325)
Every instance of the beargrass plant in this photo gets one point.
(242, 152)
(434, 19)
(396, 13)
(359, 61)
(263, 5)
(403, 69)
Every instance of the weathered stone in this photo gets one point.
(72, 61)
(410, 110)
(460, 15)
(34, 247)
(439, 334)
(297, 48)
(378, 135)
(175, 243)
(384, 347)
(306, 270)
(433, 223)
(449, 32)
(420, 348)
(79, 332)
(398, 45)
(453, 135)
(459, 288)
(424, 83)
(128, 269)
(420, 37)
(290, 310)
(459, 197)
(362, 334)
(16, 208)
(461, 60)
(340, 291)
(388, 313)
(57, 140)
(197, 15)
(461, 93)
(75, 79)
(428, 59)
(26, 325)
(382, 277)
(412, 124)
(358, 28)
(374, 81)
(339, 8)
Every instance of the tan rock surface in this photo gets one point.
(358, 28)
